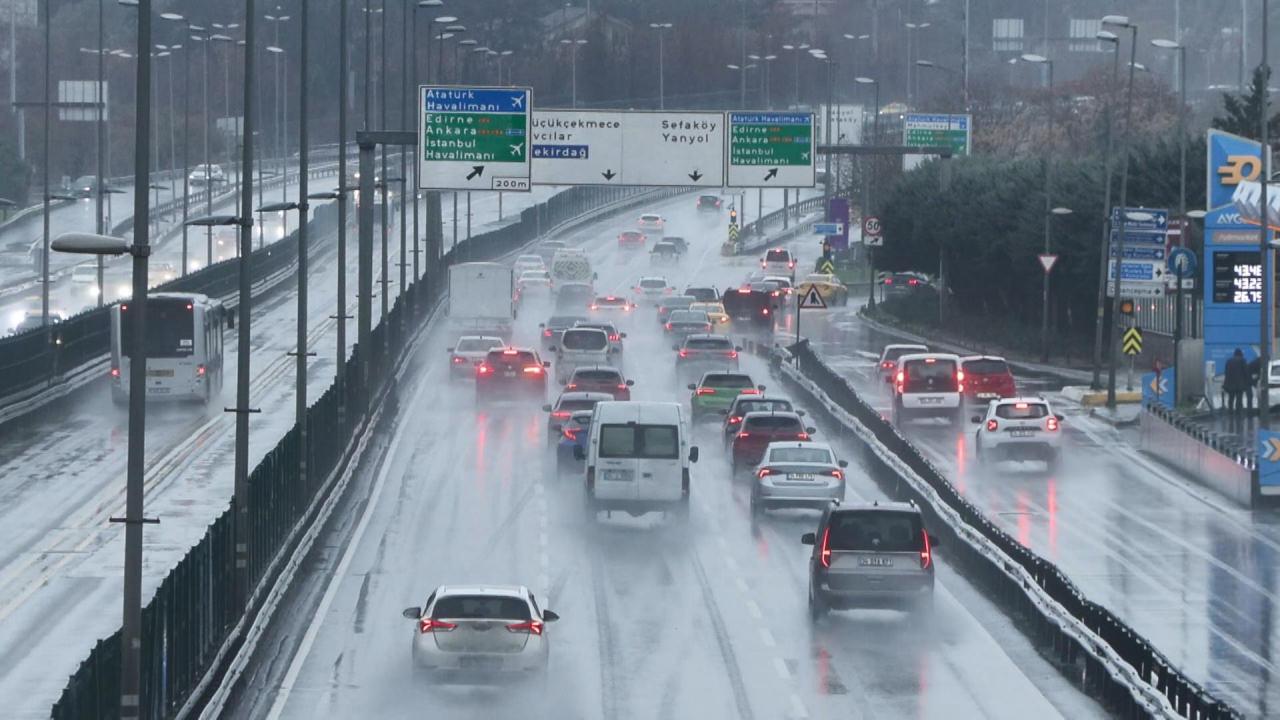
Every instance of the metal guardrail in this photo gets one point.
(191, 618)
(1078, 656)
(756, 234)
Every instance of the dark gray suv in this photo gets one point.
(870, 555)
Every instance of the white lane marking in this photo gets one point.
(798, 710)
(335, 580)
(754, 609)
(766, 638)
(781, 666)
(742, 586)
(544, 546)
(731, 564)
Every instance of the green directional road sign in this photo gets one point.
(934, 130)
(474, 138)
(770, 149)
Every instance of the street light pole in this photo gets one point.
(1264, 245)
(100, 132)
(300, 394)
(1048, 208)
(662, 91)
(340, 367)
(48, 102)
(1123, 22)
(866, 191)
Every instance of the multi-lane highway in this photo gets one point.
(708, 621)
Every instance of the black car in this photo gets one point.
(709, 203)
(664, 253)
(555, 326)
(750, 305)
(507, 372)
(681, 244)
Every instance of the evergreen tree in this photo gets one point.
(1243, 112)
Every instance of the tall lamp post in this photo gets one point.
(1182, 119)
(866, 189)
(911, 28)
(795, 100)
(660, 27)
(1113, 40)
(1121, 21)
(1264, 239)
(573, 46)
(1049, 210)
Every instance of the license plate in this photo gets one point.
(509, 373)
(876, 561)
(479, 663)
(930, 401)
(160, 373)
(987, 396)
(802, 476)
(1021, 433)
(617, 475)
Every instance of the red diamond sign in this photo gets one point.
(1047, 261)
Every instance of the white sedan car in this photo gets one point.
(528, 262)
(653, 288)
(797, 474)
(1020, 428)
(534, 281)
(651, 223)
(470, 631)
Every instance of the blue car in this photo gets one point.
(573, 434)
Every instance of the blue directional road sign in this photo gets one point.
(828, 228)
(1148, 219)
(1269, 460)
(1182, 262)
(1137, 251)
(1138, 271)
(1158, 388)
(1140, 237)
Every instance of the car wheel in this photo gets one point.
(681, 512)
(734, 468)
(977, 448)
(757, 506)
(817, 606)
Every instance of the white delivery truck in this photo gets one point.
(482, 298)
(570, 265)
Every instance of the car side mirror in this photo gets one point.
(975, 419)
(553, 349)
(542, 325)
(808, 539)
(676, 348)
(622, 335)
(811, 430)
(546, 363)
(630, 383)
(413, 613)
(546, 408)
(842, 463)
(737, 348)
(933, 541)
(579, 452)
(550, 616)
(1059, 418)
(761, 388)
(801, 413)
(692, 386)
(595, 276)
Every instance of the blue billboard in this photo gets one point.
(1233, 270)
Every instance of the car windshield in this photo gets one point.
(800, 455)
(477, 344)
(480, 607)
(1022, 411)
(584, 339)
(777, 256)
(708, 344)
(650, 217)
(597, 376)
(986, 366)
(936, 376)
(875, 530)
(653, 283)
(728, 380)
(639, 441)
(746, 406)
(773, 423)
(689, 316)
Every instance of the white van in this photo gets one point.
(580, 347)
(570, 265)
(637, 459)
(928, 385)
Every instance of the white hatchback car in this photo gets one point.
(653, 288)
(888, 366)
(797, 474)
(1020, 428)
(651, 223)
(528, 262)
(481, 630)
(928, 385)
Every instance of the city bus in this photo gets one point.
(184, 347)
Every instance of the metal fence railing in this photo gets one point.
(1186, 697)
(192, 616)
(759, 233)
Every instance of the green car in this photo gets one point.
(715, 392)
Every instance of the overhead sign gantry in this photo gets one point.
(597, 147)
(473, 138)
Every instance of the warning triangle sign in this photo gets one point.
(812, 300)
(1047, 261)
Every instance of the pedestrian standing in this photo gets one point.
(1235, 380)
(1255, 374)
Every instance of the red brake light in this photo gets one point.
(684, 353)
(570, 433)
(825, 556)
(571, 386)
(533, 627)
(705, 390)
(484, 370)
(594, 306)
(749, 391)
(115, 372)
(791, 263)
(960, 376)
(764, 472)
(744, 291)
(992, 425)
(200, 370)
(1020, 406)
(560, 414)
(534, 370)
(1053, 423)
(930, 361)
(765, 311)
(458, 361)
(611, 298)
(888, 281)
(426, 625)
(885, 364)
(926, 555)
(742, 435)
(802, 436)
(733, 354)
(668, 326)
(913, 281)
(510, 351)
(615, 337)
(546, 333)
(622, 386)
(838, 474)
(735, 420)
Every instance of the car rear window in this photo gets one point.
(936, 376)
(728, 381)
(603, 376)
(682, 301)
(480, 607)
(986, 366)
(708, 344)
(895, 353)
(746, 406)
(875, 530)
(561, 322)
(631, 233)
(577, 404)
(506, 357)
(535, 275)
(690, 316)
(773, 423)
(702, 294)
(584, 339)
(653, 283)
(477, 344)
(1022, 411)
(800, 455)
(611, 300)
(642, 441)
(777, 256)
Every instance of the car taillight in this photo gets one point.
(926, 554)
(765, 472)
(483, 370)
(764, 311)
(560, 415)
(913, 282)
(837, 474)
(458, 361)
(825, 556)
(959, 376)
(571, 386)
(744, 291)
(1053, 423)
(791, 263)
(595, 307)
(735, 420)
(705, 391)
(742, 435)
(534, 370)
(668, 326)
(510, 351)
(570, 433)
(684, 353)
(115, 372)
(733, 354)
(426, 625)
(886, 364)
(533, 627)
(802, 436)
(992, 425)
(200, 370)
(546, 333)
(902, 377)
(888, 281)
(622, 386)
(615, 338)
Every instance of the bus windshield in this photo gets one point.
(170, 328)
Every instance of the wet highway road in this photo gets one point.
(1191, 572)
(657, 621)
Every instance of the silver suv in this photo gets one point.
(870, 555)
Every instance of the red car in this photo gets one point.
(986, 378)
(508, 372)
(631, 239)
(600, 379)
(758, 429)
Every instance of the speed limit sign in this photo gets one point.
(871, 226)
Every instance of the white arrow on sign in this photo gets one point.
(812, 300)
(1047, 261)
